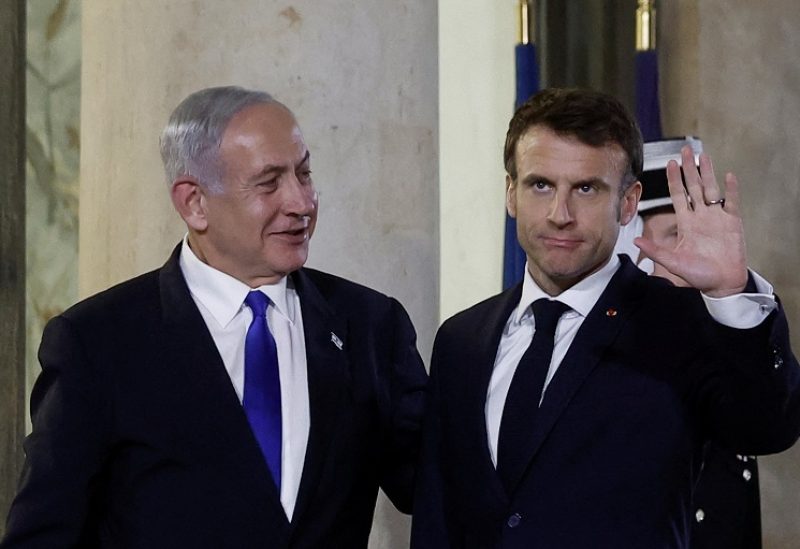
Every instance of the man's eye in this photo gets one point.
(304, 175)
(587, 188)
(268, 184)
(540, 185)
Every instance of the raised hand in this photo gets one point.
(710, 254)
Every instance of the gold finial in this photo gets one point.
(646, 25)
(526, 28)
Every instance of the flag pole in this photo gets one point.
(526, 27)
(526, 62)
(648, 110)
(646, 25)
(527, 83)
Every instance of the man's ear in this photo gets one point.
(630, 203)
(511, 196)
(189, 199)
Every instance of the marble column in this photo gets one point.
(476, 98)
(362, 80)
(12, 248)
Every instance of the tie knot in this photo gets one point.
(546, 314)
(258, 302)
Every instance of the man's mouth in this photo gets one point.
(561, 242)
(294, 234)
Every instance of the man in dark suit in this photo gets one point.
(571, 410)
(231, 398)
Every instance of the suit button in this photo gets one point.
(778, 358)
(747, 475)
(700, 515)
(514, 520)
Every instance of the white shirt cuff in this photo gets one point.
(743, 311)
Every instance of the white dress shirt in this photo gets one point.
(738, 311)
(220, 299)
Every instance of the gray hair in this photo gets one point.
(191, 139)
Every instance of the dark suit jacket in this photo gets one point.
(617, 444)
(139, 439)
(727, 506)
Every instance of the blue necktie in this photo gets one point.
(262, 384)
(525, 392)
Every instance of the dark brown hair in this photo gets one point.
(593, 118)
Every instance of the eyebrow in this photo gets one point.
(531, 178)
(592, 181)
(304, 160)
(271, 168)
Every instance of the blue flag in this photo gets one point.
(527, 72)
(648, 111)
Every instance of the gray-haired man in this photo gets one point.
(231, 398)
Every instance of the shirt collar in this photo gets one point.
(222, 294)
(581, 297)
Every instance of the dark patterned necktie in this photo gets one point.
(262, 384)
(525, 392)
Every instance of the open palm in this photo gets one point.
(710, 254)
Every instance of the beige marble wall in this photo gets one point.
(731, 74)
(53, 145)
(362, 79)
(476, 100)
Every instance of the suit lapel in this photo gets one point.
(482, 356)
(594, 337)
(206, 392)
(328, 381)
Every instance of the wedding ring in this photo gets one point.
(721, 202)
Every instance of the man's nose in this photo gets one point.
(300, 197)
(560, 212)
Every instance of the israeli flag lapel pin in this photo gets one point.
(336, 341)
